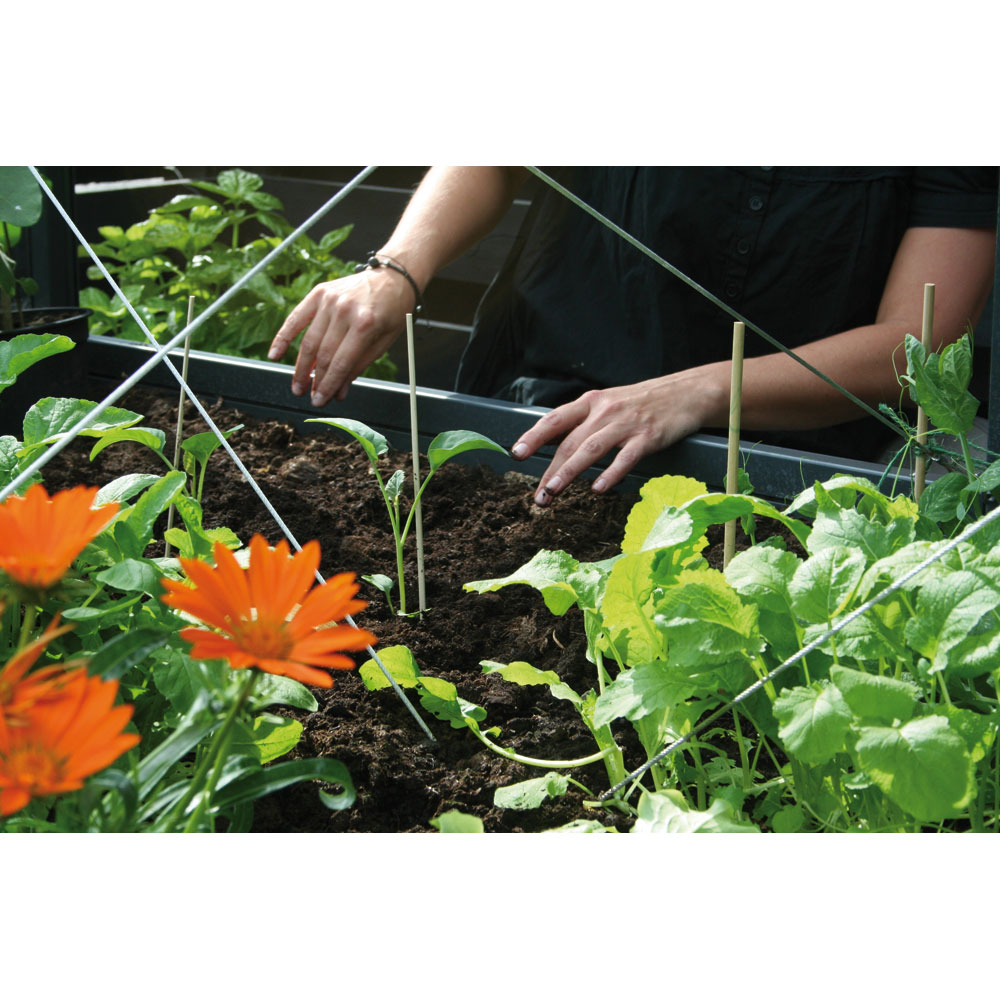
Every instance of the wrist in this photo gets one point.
(390, 264)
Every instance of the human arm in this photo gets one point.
(778, 393)
(353, 320)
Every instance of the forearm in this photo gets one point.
(451, 210)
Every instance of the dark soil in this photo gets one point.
(477, 524)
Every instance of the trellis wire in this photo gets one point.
(691, 283)
(160, 354)
(767, 678)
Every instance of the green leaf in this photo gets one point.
(291, 772)
(122, 652)
(532, 793)
(824, 584)
(26, 349)
(274, 689)
(704, 622)
(201, 446)
(646, 689)
(941, 499)
(150, 437)
(50, 418)
(547, 571)
(454, 821)
(668, 812)
(526, 675)
(125, 487)
(451, 443)
(20, 197)
(440, 698)
(657, 495)
(814, 721)
(939, 383)
(373, 442)
(394, 485)
(269, 737)
(922, 766)
(400, 663)
(131, 575)
(626, 609)
(873, 697)
(763, 574)
(152, 504)
(946, 626)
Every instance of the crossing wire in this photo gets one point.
(160, 355)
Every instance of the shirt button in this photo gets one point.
(756, 203)
(743, 246)
(732, 290)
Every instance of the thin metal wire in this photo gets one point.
(782, 667)
(161, 355)
(715, 300)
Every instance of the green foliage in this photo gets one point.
(200, 244)
(20, 206)
(890, 723)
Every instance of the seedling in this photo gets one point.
(445, 446)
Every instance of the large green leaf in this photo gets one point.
(131, 575)
(874, 697)
(824, 584)
(814, 721)
(454, 821)
(946, 627)
(400, 663)
(923, 766)
(763, 574)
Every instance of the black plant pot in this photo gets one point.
(61, 375)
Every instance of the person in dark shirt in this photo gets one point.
(830, 261)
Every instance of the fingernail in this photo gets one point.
(554, 485)
(542, 497)
(298, 389)
(272, 354)
(317, 399)
(600, 485)
(519, 450)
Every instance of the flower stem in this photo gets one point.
(219, 753)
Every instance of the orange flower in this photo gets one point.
(264, 616)
(16, 692)
(41, 536)
(52, 746)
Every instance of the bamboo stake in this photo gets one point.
(180, 417)
(926, 327)
(732, 466)
(415, 445)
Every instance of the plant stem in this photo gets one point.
(535, 761)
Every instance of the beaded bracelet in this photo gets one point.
(374, 261)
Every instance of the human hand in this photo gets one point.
(351, 322)
(637, 419)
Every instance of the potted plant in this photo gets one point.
(21, 204)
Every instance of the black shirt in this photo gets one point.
(802, 252)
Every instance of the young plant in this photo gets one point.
(445, 446)
(198, 244)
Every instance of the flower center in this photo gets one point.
(266, 639)
(36, 769)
